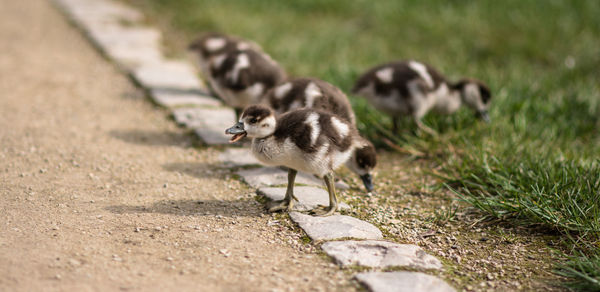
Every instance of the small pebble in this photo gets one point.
(225, 252)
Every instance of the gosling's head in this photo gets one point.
(214, 43)
(210, 44)
(257, 121)
(476, 95)
(363, 161)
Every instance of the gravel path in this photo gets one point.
(99, 191)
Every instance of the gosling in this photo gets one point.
(318, 94)
(411, 88)
(213, 44)
(238, 71)
(308, 140)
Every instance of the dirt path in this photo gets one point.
(100, 191)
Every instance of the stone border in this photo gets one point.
(116, 30)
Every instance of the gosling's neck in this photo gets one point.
(448, 99)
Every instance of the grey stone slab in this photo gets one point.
(89, 21)
(131, 47)
(168, 75)
(341, 185)
(194, 117)
(273, 176)
(131, 57)
(177, 98)
(118, 35)
(83, 10)
(212, 125)
(380, 254)
(238, 157)
(104, 17)
(308, 197)
(403, 282)
(209, 124)
(188, 117)
(335, 227)
(210, 136)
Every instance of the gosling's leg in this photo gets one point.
(333, 203)
(395, 125)
(288, 201)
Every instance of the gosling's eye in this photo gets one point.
(253, 120)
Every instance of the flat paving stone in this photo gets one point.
(86, 9)
(188, 117)
(110, 35)
(209, 124)
(380, 254)
(308, 197)
(131, 57)
(335, 227)
(210, 136)
(238, 157)
(403, 282)
(194, 117)
(176, 98)
(102, 19)
(130, 47)
(168, 75)
(273, 176)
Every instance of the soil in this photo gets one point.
(99, 190)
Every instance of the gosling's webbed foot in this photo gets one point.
(280, 205)
(322, 211)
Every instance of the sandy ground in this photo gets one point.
(100, 191)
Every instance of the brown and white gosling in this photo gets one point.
(412, 88)
(308, 140)
(238, 71)
(318, 94)
(213, 44)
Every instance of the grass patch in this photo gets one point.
(562, 196)
(557, 195)
(536, 164)
(583, 270)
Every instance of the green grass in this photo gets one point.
(557, 194)
(584, 270)
(560, 195)
(536, 164)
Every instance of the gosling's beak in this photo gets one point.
(237, 131)
(483, 115)
(368, 181)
